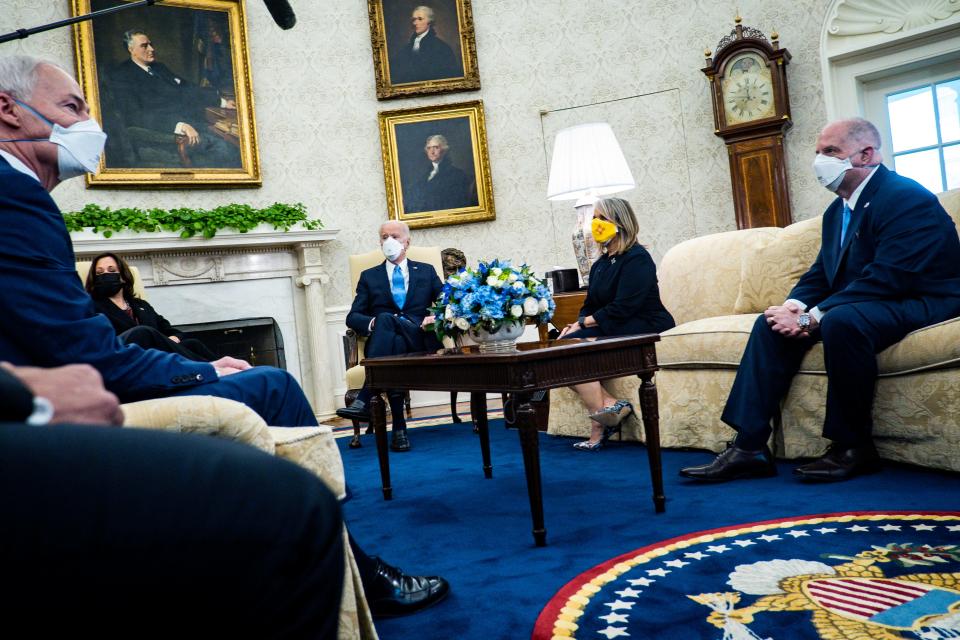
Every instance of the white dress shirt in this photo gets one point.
(18, 164)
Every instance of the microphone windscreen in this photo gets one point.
(281, 13)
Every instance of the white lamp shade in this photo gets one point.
(587, 161)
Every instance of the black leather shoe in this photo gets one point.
(358, 410)
(733, 464)
(400, 441)
(393, 593)
(841, 462)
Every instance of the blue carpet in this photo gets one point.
(446, 519)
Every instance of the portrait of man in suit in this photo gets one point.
(441, 185)
(391, 310)
(423, 54)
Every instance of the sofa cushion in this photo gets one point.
(768, 274)
(716, 342)
(700, 277)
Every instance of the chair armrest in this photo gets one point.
(207, 415)
(352, 349)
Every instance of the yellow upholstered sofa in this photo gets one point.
(715, 286)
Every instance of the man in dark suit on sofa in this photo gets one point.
(390, 308)
(889, 264)
(46, 136)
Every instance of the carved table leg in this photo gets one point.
(530, 445)
(478, 405)
(651, 429)
(378, 419)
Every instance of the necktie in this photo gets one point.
(397, 288)
(845, 223)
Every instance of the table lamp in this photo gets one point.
(587, 163)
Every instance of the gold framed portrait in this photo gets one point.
(436, 166)
(422, 47)
(171, 85)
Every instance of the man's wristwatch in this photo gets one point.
(582, 322)
(803, 321)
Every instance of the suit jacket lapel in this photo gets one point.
(415, 271)
(860, 212)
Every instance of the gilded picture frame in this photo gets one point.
(172, 87)
(422, 47)
(436, 166)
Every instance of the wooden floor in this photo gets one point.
(463, 408)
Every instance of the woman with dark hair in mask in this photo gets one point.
(622, 299)
(110, 284)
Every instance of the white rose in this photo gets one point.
(496, 271)
(512, 277)
(493, 281)
(448, 342)
(530, 306)
(516, 311)
(544, 305)
(518, 286)
(448, 313)
(462, 324)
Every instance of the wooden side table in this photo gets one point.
(567, 311)
(535, 366)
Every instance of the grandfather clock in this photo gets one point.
(751, 112)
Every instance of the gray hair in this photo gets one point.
(440, 141)
(128, 36)
(18, 75)
(404, 225)
(427, 10)
(862, 131)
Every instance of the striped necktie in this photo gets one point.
(845, 223)
(397, 287)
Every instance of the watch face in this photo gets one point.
(747, 89)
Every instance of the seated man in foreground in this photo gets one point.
(391, 309)
(889, 264)
(47, 136)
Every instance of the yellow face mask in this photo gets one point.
(602, 230)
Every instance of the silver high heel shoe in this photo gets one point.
(613, 415)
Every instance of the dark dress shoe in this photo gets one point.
(733, 464)
(400, 441)
(358, 410)
(841, 462)
(393, 593)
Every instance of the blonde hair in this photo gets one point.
(619, 212)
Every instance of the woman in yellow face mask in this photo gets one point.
(622, 299)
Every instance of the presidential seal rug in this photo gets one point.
(855, 575)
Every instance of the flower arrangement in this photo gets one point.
(494, 295)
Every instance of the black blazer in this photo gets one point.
(449, 189)
(434, 60)
(374, 295)
(900, 244)
(161, 100)
(145, 314)
(623, 296)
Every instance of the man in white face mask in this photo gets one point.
(390, 308)
(889, 264)
(46, 136)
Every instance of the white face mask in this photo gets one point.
(79, 146)
(830, 170)
(392, 248)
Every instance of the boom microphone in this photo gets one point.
(281, 13)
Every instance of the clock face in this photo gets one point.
(747, 89)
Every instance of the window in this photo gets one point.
(925, 131)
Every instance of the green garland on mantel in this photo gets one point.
(189, 222)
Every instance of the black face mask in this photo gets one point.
(106, 285)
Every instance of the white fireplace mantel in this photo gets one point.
(87, 243)
(264, 272)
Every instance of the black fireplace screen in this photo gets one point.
(256, 340)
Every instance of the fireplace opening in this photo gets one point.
(256, 340)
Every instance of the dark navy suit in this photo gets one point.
(396, 330)
(897, 271)
(49, 320)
